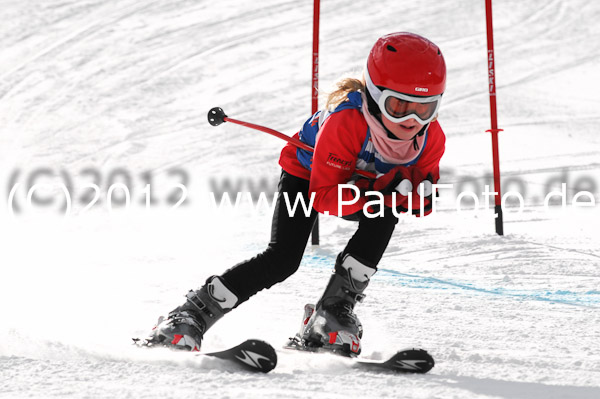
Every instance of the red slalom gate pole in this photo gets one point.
(315, 90)
(315, 57)
(494, 117)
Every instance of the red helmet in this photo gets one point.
(407, 63)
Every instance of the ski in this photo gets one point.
(405, 361)
(417, 361)
(252, 354)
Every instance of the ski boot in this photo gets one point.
(332, 324)
(185, 326)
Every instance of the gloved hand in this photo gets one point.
(423, 189)
(397, 180)
(403, 181)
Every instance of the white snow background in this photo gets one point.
(111, 92)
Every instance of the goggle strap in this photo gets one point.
(373, 90)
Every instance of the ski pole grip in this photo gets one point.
(216, 116)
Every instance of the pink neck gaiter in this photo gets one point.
(392, 150)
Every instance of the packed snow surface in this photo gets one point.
(115, 94)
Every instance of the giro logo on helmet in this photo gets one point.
(425, 89)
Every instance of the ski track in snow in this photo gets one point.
(97, 90)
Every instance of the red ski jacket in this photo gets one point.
(339, 142)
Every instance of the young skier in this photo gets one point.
(384, 123)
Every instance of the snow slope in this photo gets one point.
(116, 94)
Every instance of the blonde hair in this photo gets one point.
(343, 87)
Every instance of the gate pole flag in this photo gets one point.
(494, 119)
(315, 90)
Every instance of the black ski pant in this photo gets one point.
(289, 236)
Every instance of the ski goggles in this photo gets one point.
(399, 107)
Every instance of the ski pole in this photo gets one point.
(216, 116)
